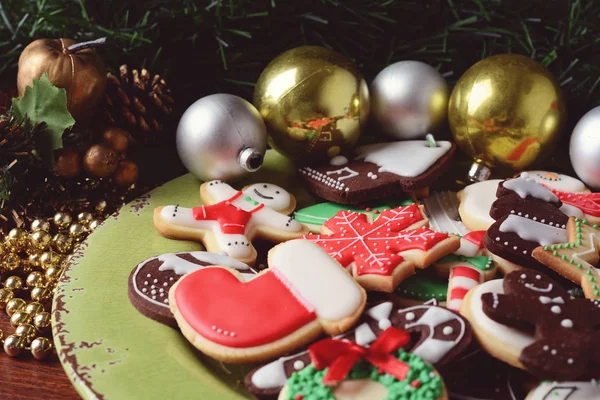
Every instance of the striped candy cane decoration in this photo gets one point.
(462, 279)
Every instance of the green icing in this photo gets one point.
(319, 213)
(424, 285)
(308, 382)
(482, 263)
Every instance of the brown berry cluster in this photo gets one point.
(105, 159)
(31, 264)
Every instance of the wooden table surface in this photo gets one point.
(25, 377)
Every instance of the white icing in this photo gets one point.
(571, 211)
(408, 158)
(270, 195)
(338, 161)
(219, 191)
(433, 350)
(561, 182)
(409, 316)
(384, 324)
(381, 311)
(477, 201)
(526, 187)
(171, 262)
(317, 278)
(555, 309)
(567, 323)
(547, 300)
(343, 173)
(447, 330)
(442, 211)
(533, 231)
(363, 334)
(547, 289)
(507, 335)
(298, 365)
(272, 375)
(566, 391)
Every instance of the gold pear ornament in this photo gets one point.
(76, 67)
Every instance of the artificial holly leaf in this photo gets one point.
(44, 102)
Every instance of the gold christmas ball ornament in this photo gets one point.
(506, 111)
(40, 240)
(42, 321)
(14, 345)
(85, 218)
(53, 273)
(34, 259)
(313, 101)
(48, 259)
(100, 206)
(6, 295)
(40, 294)
(16, 240)
(77, 231)
(41, 347)
(62, 243)
(40, 225)
(3, 250)
(28, 331)
(36, 279)
(13, 283)
(14, 305)
(62, 220)
(34, 308)
(1, 335)
(11, 262)
(20, 318)
(26, 267)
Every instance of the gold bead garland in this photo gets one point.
(31, 264)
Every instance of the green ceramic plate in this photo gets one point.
(107, 348)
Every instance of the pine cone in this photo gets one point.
(139, 103)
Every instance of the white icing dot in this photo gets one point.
(384, 324)
(410, 316)
(165, 284)
(447, 330)
(538, 277)
(171, 278)
(153, 297)
(546, 348)
(214, 328)
(148, 276)
(153, 291)
(144, 290)
(567, 323)
(166, 301)
(570, 361)
(298, 365)
(555, 309)
(523, 276)
(219, 330)
(155, 281)
(145, 282)
(553, 352)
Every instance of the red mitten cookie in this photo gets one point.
(567, 330)
(383, 253)
(303, 294)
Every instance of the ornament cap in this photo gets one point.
(251, 159)
(479, 172)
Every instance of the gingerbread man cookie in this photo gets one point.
(527, 215)
(381, 171)
(304, 293)
(151, 280)
(231, 219)
(565, 330)
(382, 253)
(439, 336)
(577, 258)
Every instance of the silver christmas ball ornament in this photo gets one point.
(221, 136)
(584, 150)
(409, 99)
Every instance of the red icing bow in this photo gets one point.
(341, 355)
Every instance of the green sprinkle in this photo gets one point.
(594, 286)
(591, 279)
(589, 272)
(546, 248)
(579, 236)
(595, 226)
(564, 257)
(555, 253)
(585, 221)
(596, 292)
(579, 242)
(580, 266)
(571, 261)
(560, 246)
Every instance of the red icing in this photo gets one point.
(465, 272)
(258, 312)
(374, 247)
(588, 203)
(231, 219)
(475, 237)
(458, 293)
(416, 383)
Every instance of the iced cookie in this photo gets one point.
(439, 336)
(577, 257)
(527, 215)
(587, 390)
(530, 322)
(442, 210)
(230, 219)
(465, 268)
(342, 370)
(423, 286)
(151, 280)
(380, 171)
(313, 217)
(475, 203)
(382, 253)
(560, 182)
(304, 293)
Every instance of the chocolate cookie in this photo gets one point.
(527, 215)
(151, 280)
(380, 171)
(438, 336)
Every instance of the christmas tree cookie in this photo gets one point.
(343, 370)
(577, 258)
